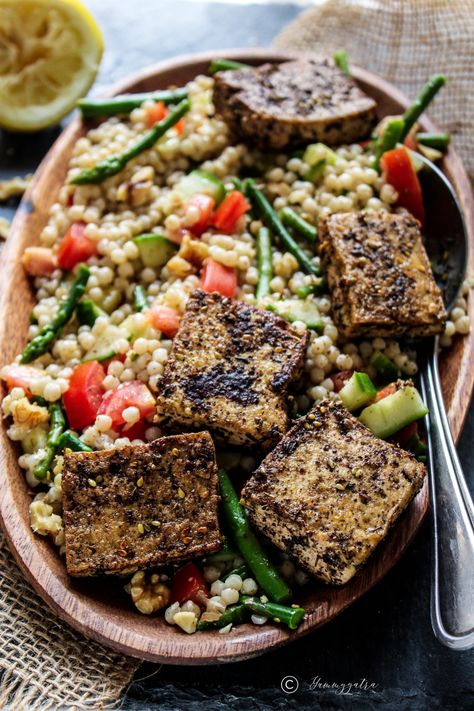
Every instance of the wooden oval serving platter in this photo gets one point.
(99, 608)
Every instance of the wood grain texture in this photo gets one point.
(100, 609)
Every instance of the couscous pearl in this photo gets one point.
(131, 415)
(52, 392)
(233, 581)
(217, 587)
(103, 423)
(229, 596)
(249, 586)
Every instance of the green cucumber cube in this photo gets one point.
(297, 310)
(395, 411)
(200, 182)
(358, 391)
(155, 250)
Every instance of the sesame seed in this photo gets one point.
(156, 523)
(341, 487)
(181, 493)
(92, 483)
(140, 481)
(141, 528)
(175, 451)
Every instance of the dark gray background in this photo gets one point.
(385, 638)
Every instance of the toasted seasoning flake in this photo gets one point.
(181, 493)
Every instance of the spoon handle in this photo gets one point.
(452, 584)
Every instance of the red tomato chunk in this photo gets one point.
(399, 172)
(164, 319)
(188, 584)
(230, 211)
(82, 399)
(217, 277)
(75, 247)
(133, 394)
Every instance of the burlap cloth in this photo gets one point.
(405, 41)
(46, 664)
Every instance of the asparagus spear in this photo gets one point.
(391, 135)
(438, 141)
(257, 560)
(342, 61)
(274, 223)
(290, 218)
(40, 344)
(114, 164)
(290, 616)
(57, 424)
(264, 262)
(223, 65)
(426, 95)
(127, 102)
(140, 301)
(68, 440)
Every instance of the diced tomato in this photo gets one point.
(179, 126)
(399, 172)
(365, 144)
(135, 431)
(188, 584)
(177, 236)
(231, 209)
(205, 205)
(20, 376)
(38, 261)
(83, 398)
(164, 319)
(75, 247)
(340, 379)
(155, 113)
(403, 436)
(386, 391)
(132, 394)
(217, 277)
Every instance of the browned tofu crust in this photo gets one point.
(379, 275)
(293, 103)
(229, 370)
(140, 506)
(330, 491)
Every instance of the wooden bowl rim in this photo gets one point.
(170, 646)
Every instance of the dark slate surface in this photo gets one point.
(379, 654)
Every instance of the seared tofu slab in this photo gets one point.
(140, 506)
(330, 491)
(379, 276)
(297, 102)
(228, 371)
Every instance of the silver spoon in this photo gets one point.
(452, 583)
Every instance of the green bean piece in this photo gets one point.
(438, 141)
(318, 288)
(88, 312)
(125, 103)
(224, 65)
(41, 343)
(233, 615)
(226, 553)
(274, 223)
(256, 558)
(290, 616)
(264, 262)
(290, 218)
(391, 135)
(140, 300)
(342, 61)
(114, 164)
(68, 440)
(424, 98)
(111, 300)
(57, 423)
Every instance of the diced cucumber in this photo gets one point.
(199, 181)
(386, 368)
(104, 347)
(416, 446)
(87, 312)
(358, 391)
(34, 440)
(395, 411)
(133, 328)
(317, 156)
(297, 310)
(155, 250)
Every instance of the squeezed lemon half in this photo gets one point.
(50, 51)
